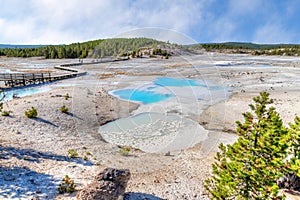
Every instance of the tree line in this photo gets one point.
(131, 46)
(254, 49)
(94, 49)
(75, 50)
(241, 45)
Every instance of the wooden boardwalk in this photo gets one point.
(24, 79)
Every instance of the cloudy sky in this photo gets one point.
(67, 21)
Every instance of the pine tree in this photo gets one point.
(294, 162)
(249, 168)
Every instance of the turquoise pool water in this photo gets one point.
(144, 96)
(153, 94)
(21, 92)
(175, 82)
(166, 81)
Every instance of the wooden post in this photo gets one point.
(24, 83)
(42, 78)
(33, 78)
(11, 80)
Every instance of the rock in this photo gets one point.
(262, 79)
(289, 181)
(139, 196)
(107, 185)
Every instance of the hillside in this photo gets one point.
(135, 47)
(250, 48)
(242, 45)
(95, 49)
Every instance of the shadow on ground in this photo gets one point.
(20, 182)
(73, 115)
(44, 121)
(32, 155)
(23, 183)
(140, 196)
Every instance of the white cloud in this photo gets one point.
(244, 7)
(56, 21)
(274, 28)
(159, 34)
(222, 30)
(272, 33)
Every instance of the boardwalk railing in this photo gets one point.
(23, 79)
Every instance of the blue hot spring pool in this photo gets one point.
(144, 96)
(166, 81)
(21, 92)
(175, 82)
(153, 93)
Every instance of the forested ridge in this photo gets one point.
(134, 46)
(95, 49)
(251, 48)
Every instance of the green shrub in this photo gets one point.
(67, 96)
(66, 186)
(31, 113)
(124, 151)
(87, 153)
(72, 153)
(64, 109)
(5, 113)
(85, 157)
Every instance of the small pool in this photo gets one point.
(21, 92)
(144, 96)
(163, 88)
(154, 132)
(166, 81)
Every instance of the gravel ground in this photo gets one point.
(34, 152)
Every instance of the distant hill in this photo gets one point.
(129, 46)
(242, 45)
(250, 48)
(136, 47)
(17, 46)
(95, 49)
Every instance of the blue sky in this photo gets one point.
(67, 21)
